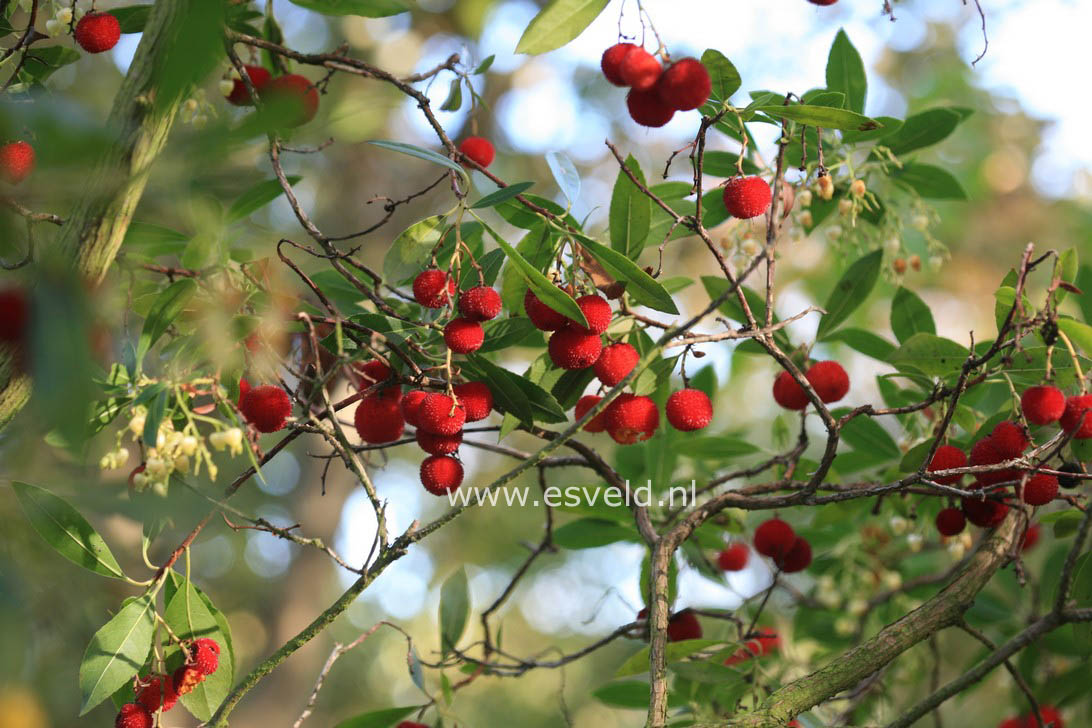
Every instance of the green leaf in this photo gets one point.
(626, 694)
(257, 197)
(642, 287)
(157, 407)
(851, 291)
(637, 663)
(410, 251)
(722, 73)
(704, 671)
(366, 8)
(384, 718)
(723, 164)
(822, 116)
(890, 126)
(190, 617)
(1079, 334)
(1067, 270)
(867, 435)
(565, 174)
(501, 334)
(425, 154)
(168, 304)
(910, 315)
(484, 66)
(132, 18)
(590, 533)
(507, 392)
(1082, 594)
(630, 213)
(454, 98)
(66, 530)
(929, 181)
(504, 193)
(1084, 282)
(117, 651)
(846, 72)
(454, 608)
(44, 62)
(718, 447)
(557, 24)
(923, 130)
(569, 387)
(866, 342)
(931, 355)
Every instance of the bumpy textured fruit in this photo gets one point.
(463, 336)
(186, 678)
(747, 197)
(948, 457)
(984, 513)
(441, 474)
(616, 361)
(829, 380)
(14, 316)
(435, 414)
(734, 557)
(16, 162)
(378, 417)
(439, 444)
(372, 372)
(1040, 489)
(951, 522)
(774, 538)
(647, 108)
(432, 288)
(631, 418)
(683, 625)
(293, 99)
(596, 310)
(266, 407)
(1077, 417)
(797, 558)
(480, 303)
(1052, 718)
(788, 393)
(1042, 405)
(759, 647)
(685, 85)
(157, 691)
(1010, 439)
(133, 715)
(478, 150)
(98, 32)
(239, 95)
(411, 405)
(476, 399)
(585, 403)
(573, 349)
(689, 409)
(640, 69)
(1067, 481)
(985, 452)
(206, 655)
(542, 316)
(611, 62)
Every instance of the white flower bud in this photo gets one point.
(156, 468)
(226, 87)
(190, 105)
(181, 464)
(120, 457)
(898, 525)
(957, 549)
(857, 189)
(188, 446)
(64, 16)
(936, 262)
(892, 245)
(106, 462)
(136, 425)
(218, 440)
(915, 542)
(892, 579)
(857, 607)
(200, 121)
(920, 222)
(234, 440)
(806, 218)
(160, 488)
(140, 482)
(845, 207)
(845, 626)
(804, 198)
(54, 27)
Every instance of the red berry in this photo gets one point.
(984, 513)
(157, 691)
(734, 558)
(478, 150)
(611, 63)
(948, 457)
(186, 678)
(266, 408)
(689, 409)
(206, 655)
(640, 70)
(441, 474)
(596, 310)
(411, 405)
(542, 316)
(1040, 489)
(747, 197)
(774, 538)
(951, 522)
(616, 361)
(98, 32)
(788, 393)
(476, 399)
(1031, 537)
(239, 95)
(480, 303)
(16, 161)
(133, 715)
(1010, 439)
(372, 372)
(685, 85)
(1078, 416)
(683, 625)
(986, 452)
(432, 288)
(410, 724)
(829, 380)
(585, 403)
(1042, 405)
(378, 417)
(293, 98)
(573, 349)
(435, 414)
(797, 558)
(1052, 718)
(439, 444)
(822, 2)
(14, 316)
(631, 417)
(244, 387)
(647, 108)
(463, 336)
(763, 645)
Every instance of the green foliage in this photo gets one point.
(454, 610)
(69, 533)
(557, 24)
(117, 651)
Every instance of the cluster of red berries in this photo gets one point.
(98, 32)
(464, 334)
(161, 692)
(266, 407)
(1045, 405)
(776, 539)
(16, 162)
(292, 95)
(655, 93)
(827, 378)
(1052, 718)
(682, 625)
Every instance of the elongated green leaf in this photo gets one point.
(365, 8)
(565, 174)
(846, 72)
(642, 287)
(704, 671)
(501, 195)
(507, 394)
(923, 130)
(557, 24)
(929, 181)
(929, 354)
(866, 342)
(132, 18)
(1082, 594)
(630, 212)
(166, 308)
(822, 116)
(637, 664)
(378, 718)
(868, 435)
(410, 251)
(257, 197)
(157, 407)
(1078, 333)
(117, 651)
(851, 291)
(425, 154)
(66, 530)
(190, 615)
(723, 74)
(910, 315)
(501, 334)
(454, 609)
(625, 694)
(589, 533)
